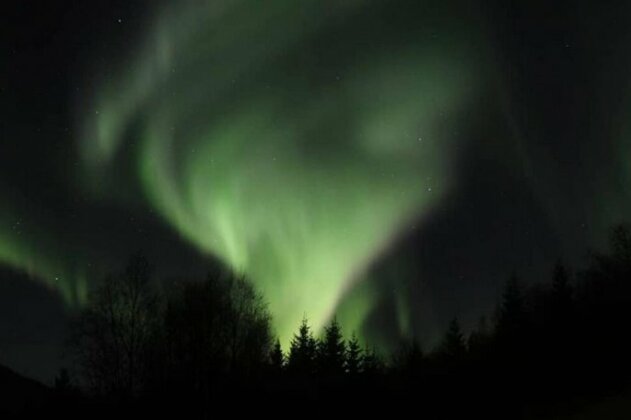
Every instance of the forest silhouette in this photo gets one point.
(195, 348)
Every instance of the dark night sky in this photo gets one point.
(538, 159)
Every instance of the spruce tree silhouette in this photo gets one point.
(372, 364)
(332, 350)
(562, 290)
(453, 346)
(410, 358)
(512, 315)
(277, 358)
(480, 341)
(621, 244)
(63, 383)
(354, 357)
(558, 357)
(562, 307)
(510, 347)
(604, 302)
(302, 351)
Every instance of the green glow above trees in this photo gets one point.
(294, 172)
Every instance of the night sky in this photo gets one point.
(389, 163)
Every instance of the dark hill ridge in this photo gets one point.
(19, 394)
(33, 325)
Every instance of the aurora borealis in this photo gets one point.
(385, 162)
(272, 163)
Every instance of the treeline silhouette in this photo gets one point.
(550, 348)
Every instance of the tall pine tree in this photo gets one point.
(332, 350)
(277, 358)
(354, 356)
(302, 351)
(453, 346)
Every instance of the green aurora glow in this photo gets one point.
(386, 161)
(297, 174)
(25, 247)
